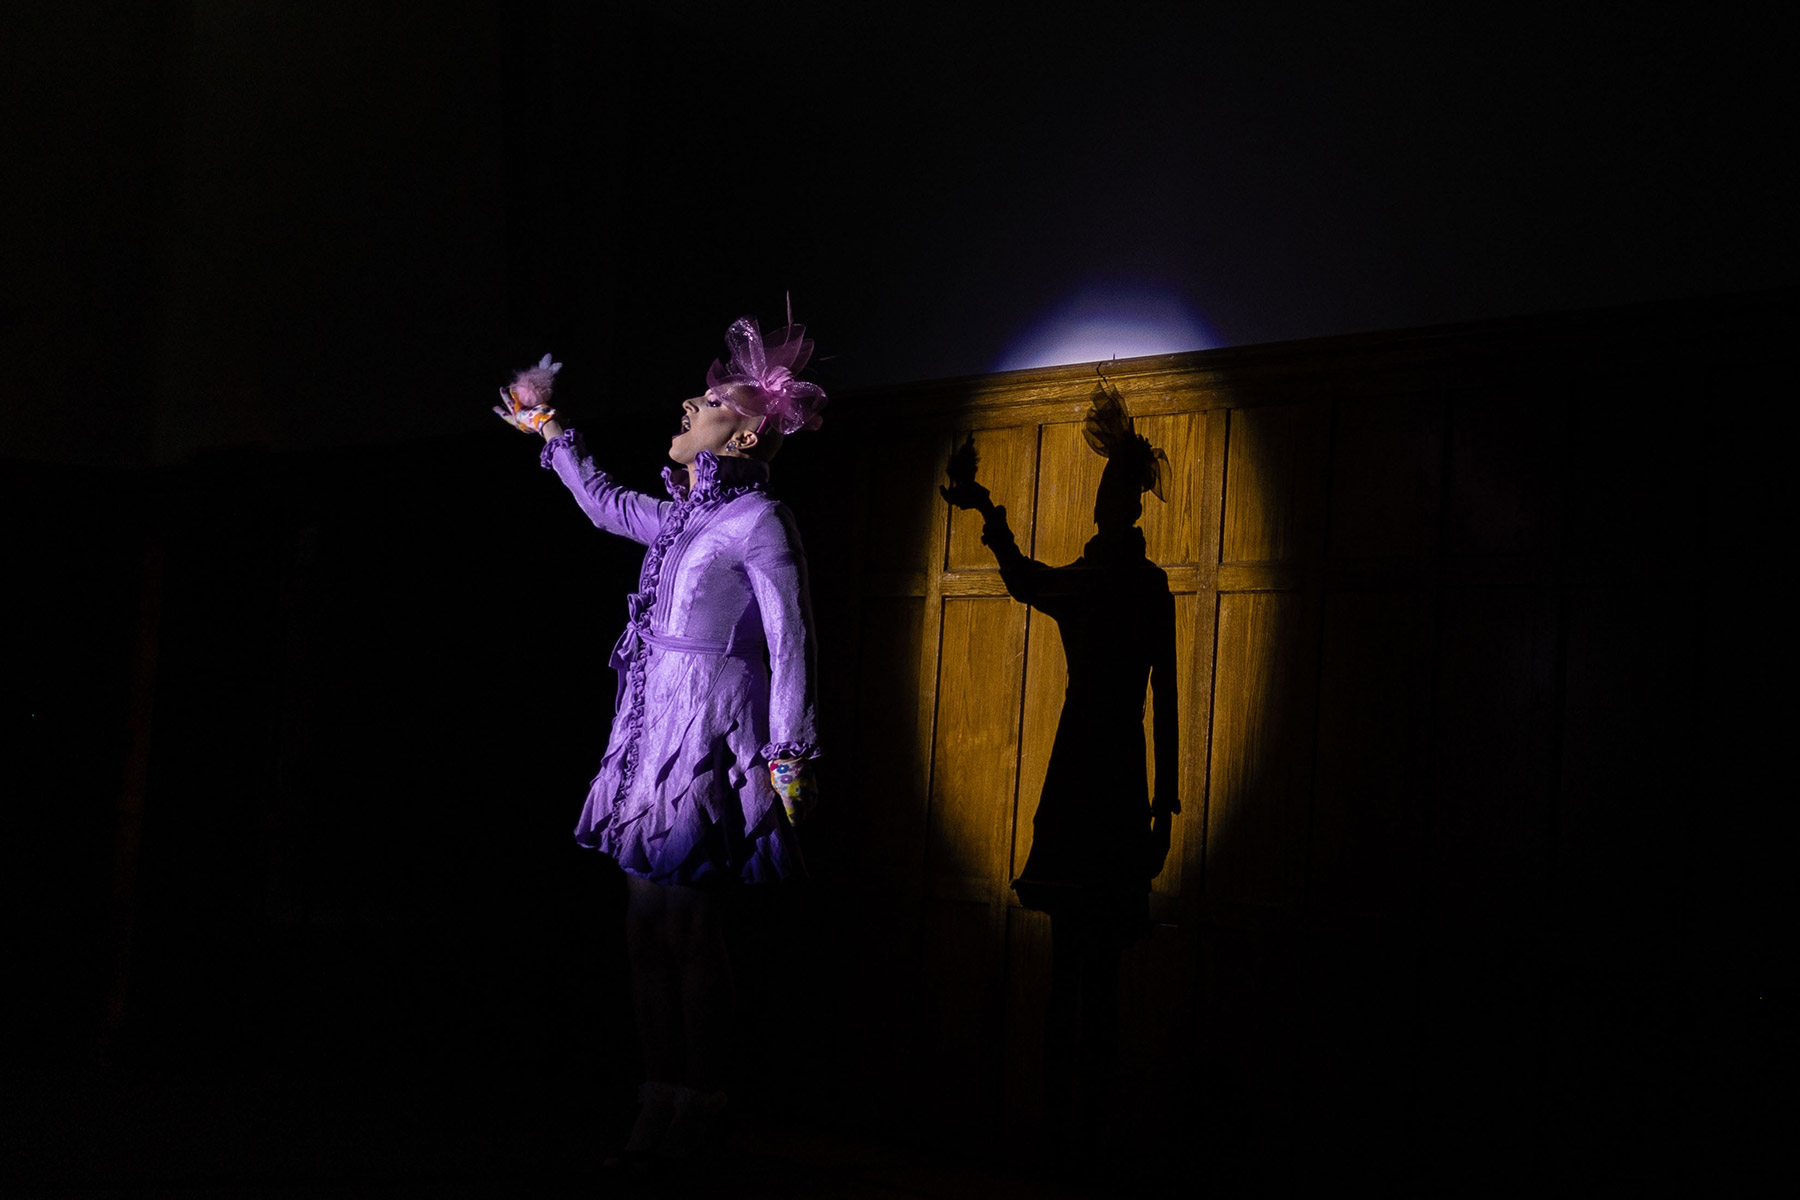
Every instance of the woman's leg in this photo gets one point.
(703, 971)
(655, 980)
(681, 989)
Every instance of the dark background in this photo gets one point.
(339, 223)
(278, 572)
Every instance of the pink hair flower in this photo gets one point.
(760, 376)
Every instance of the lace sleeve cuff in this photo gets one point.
(568, 438)
(775, 750)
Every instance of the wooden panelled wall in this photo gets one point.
(1410, 572)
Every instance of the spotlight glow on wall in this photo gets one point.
(1100, 322)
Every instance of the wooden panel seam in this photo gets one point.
(930, 651)
(1197, 809)
(1012, 828)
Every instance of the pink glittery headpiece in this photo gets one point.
(759, 376)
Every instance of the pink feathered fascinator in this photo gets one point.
(759, 375)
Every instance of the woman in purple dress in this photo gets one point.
(707, 768)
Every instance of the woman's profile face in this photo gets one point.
(707, 423)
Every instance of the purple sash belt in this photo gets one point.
(631, 644)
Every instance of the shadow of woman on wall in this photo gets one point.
(1099, 838)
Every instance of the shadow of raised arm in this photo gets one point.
(1022, 575)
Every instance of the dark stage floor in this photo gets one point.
(543, 1131)
(88, 1134)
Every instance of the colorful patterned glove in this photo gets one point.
(526, 420)
(525, 402)
(794, 783)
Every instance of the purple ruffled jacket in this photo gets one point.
(716, 673)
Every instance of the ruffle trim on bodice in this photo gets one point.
(632, 645)
(715, 480)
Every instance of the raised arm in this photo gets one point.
(525, 405)
(1024, 577)
(1027, 580)
(609, 506)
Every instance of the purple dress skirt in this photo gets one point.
(716, 674)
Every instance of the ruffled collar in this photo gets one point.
(715, 478)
